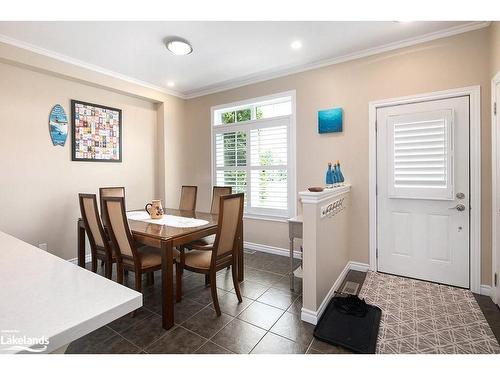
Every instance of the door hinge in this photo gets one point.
(496, 279)
(376, 253)
(376, 125)
(495, 108)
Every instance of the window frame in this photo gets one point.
(217, 128)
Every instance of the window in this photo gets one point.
(421, 155)
(253, 152)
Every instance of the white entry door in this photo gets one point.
(423, 190)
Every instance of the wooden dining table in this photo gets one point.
(166, 238)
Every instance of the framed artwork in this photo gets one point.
(330, 120)
(96, 132)
(58, 125)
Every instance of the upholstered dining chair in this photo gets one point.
(130, 256)
(188, 198)
(100, 247)
(112, 191)
(221, 254)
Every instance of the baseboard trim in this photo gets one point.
(88, 259)
(270, 249)
(485, 290)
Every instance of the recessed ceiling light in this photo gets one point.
(179, 46)
(170, 84)
(297, 44)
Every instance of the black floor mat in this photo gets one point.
(357, 333)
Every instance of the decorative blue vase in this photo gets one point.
(339, 172)
(329, 176)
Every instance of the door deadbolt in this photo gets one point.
(460, 195)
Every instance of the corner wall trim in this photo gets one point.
(271, 249)
(485, 290)
(311, 316)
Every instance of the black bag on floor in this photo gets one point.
(351, 323)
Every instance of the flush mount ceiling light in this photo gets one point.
(297, 44)
(170, 84)
(178, 46)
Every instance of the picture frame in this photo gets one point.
(96, 132)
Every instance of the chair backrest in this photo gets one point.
(118, 229)
(188, 198)
(229, 225)
(114, 191)
(219, 191)
(92, 221)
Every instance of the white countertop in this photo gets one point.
(328, 193)
(44, 296)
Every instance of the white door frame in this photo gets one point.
(474, 92)
(494, 185)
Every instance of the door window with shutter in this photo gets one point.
(421, 155)
(252, 148)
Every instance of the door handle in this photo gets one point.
(458, 207)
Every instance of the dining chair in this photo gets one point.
(221, 254)
(130, 255)
(188, 198)
(218, 192)
(112, 191)
(100, 247)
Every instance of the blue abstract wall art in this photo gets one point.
(58, 125)
(330, 120)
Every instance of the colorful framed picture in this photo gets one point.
(330, 120)
(96, 132)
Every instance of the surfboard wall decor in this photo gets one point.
(58, 125)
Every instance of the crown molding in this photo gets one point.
(94, 68)
(281, 72)
(254, 78)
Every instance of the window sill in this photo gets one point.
(279, 219)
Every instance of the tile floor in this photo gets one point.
(268, 320)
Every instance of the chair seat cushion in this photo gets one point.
(202, 243)
(198, 259)
(150, 256)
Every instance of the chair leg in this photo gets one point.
(138, 281)
(213, 288)
(207, 279)
(108, 269)
(94, 264)
(178, 282)
(236, 282)
(119, 272)
(150, 278)
(102, 263)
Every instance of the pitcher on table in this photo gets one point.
(154, 209)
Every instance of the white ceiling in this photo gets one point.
(225, 53)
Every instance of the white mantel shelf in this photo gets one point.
(44, 295)
(317, 197)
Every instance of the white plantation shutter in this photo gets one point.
(421, 155)
(253, 157)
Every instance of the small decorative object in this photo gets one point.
(329, 179)
(330, 120)
(339, 172)
(58, 125)
(96, 132)
(315, 189)
(154, 209)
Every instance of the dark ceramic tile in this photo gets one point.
(323, 347)
(203, 295)
(239, 336)
(296, 306)
(291, 327)
(195, 281)
(186, 309)
(90, 342)
(224, 280)
(127, 321)
(356, 277)
(145, 332)
(278, 298)
(229, 304)
(206, 323)
(262, 277)
(212, 348)
(116, 345)
(284, 283)
(177, 341)
(274, 344)
(251, 289)
(261, 315)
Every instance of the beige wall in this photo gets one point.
(495, 48)
(38, 182)
(457, 61)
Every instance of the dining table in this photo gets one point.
(166, 238)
